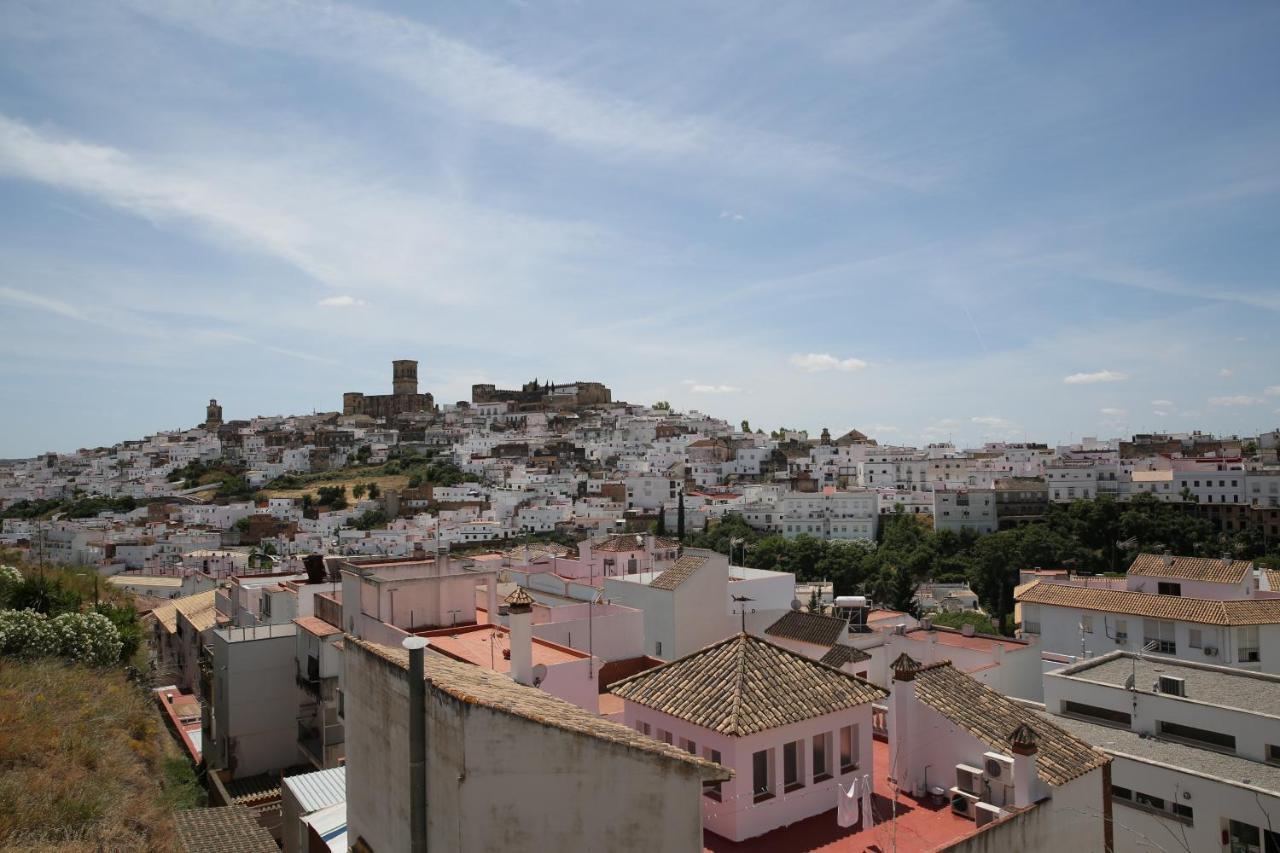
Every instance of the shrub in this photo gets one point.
(27, 634)
(88, 638)
(10, 577)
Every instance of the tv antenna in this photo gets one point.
(742, 599)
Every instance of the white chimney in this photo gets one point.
(902, 708)
(520, 622)
(1023, 741)
(1168, 558)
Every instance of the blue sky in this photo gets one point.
(924, 220)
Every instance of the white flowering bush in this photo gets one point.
(88, 638)
(9, 578)
(27, 634)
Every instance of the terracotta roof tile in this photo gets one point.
(167, 615)
(316, 626)
(226, 829)
(841, 655)
(478, 686)
(1205, 569)
(808, 628)
(620, 543)
(744, 685)
(1247, 611)
(199, 610)
(680, 572)
(994, 719)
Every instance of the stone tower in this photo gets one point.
(404, 377)
(213, 415)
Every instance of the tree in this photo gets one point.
(363, 452)
(980, 621)
(680, 518)
(43, 595)
(374, 491)
(662, 406)
(746, 427)
(815, 601)
(660, 527)
(358, 490)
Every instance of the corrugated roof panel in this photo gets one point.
(315, 791)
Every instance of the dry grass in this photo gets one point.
(81, 758)
(399, 482)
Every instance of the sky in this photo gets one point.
(926, 220)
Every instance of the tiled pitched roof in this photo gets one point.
(519, 597)
(744, 685)
(1204, 569)
(538, 550)
(680, 572)
(808, 628)
(199, 610)
(226, 829)
(167, 615)
(1247, 611)
(993, 719)
(1273, 579)
(839, 655)
(620, 542)
(478, 686)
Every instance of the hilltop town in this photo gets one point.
(538, 618)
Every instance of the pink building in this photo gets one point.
(792, 730)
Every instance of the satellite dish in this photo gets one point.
(539, 673)
(795, 604)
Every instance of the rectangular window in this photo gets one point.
(1193, 638)
(1273, 754)
(688, 746)
(1247, 644)
(1119, 793)
(664, 735)
(821, 756)
(1159, 635)
(711, 790)
(792, 768)
(1169, 588)
(1216, 741)
(1122, 630)
(1107, 716)
(643, 728)
(761, 789)
(848, 749)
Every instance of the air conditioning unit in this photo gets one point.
(985, 813)
(969, 779)
(999, 767)
(1210, 651)
(1172, 686)
(963, 803)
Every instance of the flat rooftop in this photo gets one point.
(483, 645)
(1231, 769)
(956, 639)
(919, 825)
(1225, 687)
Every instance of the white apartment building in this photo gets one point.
(829, 514)
(965, 509)
(1194, 749)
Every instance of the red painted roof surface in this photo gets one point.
(478, 644)
(958, 640)
(919, 826)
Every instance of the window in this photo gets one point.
(1193, 639)
(664, 735)
(1122, 630)
(1169, 588)
(657, 648)
(711, 790)
(1245, 838)
(792, 765)
(1159, 635)
(848, 749)
(1273, 754)
(1216, 741)
(1247, 644)
(761, 787)
(643, 728)
(1106, 716)
(821, 756)
(1086, 622)
(688, 746)
(1119, 793)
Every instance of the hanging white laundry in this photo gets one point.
(847, 804)
(868, 819)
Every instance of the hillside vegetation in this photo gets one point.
(82, 759)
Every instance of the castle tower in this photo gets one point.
(213, 415)
(404, 377)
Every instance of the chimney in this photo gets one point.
(967, 629)
(902, 709)
(1168, 558)
(1023, 743)
(520, 620)
(1226, 561)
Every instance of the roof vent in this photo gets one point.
(1172, 686)
(968, 630)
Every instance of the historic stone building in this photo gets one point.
(535, 395)
(212, 415)
(404, 397)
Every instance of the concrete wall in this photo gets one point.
(616, 632)
(658, 606)
(500, 783)
(701, 611)
(255, 700)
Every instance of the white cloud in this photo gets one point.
(1114, 413)
(815, 361)
(1272, 391)
(1236, 400)
(1097, 376)
(44, 303)
(992, 421)
(731, 215)
(708, 388)
(343, 301)
(1226, 372)
(1162, 403)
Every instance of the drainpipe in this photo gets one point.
(417, 745)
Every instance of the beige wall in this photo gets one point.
(498, 782)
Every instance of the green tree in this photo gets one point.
(43, 595)
(660, 526)
(374, 491)
(680, 517)
(358, 490)
(980, 621)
